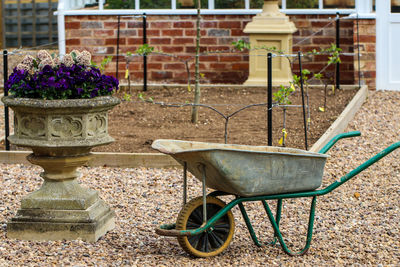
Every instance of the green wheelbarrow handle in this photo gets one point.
(337, 138)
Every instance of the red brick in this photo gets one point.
(369, 74)
(218, 66)
(79, 33)
(113, 41)
(72, 25)
(127, 32)
(114, 25)
(103, 50)
(154, 66)
(209, 17)
(181, 41)
(103, 33)
(370, 47)
(135, 41)
(73, 42)
(92, 42)
(209, 58)
(160, 24)
(184, 24)
(174, 66)
(229, 24)
(149, 32)
(367, 38)
(186, 58)
(161, 74)
(319, 58)
(133, 67)
(155, 41)
(181, 77)
(175, 32)
(192, 49)
(237, 32)
(201, 66)
(218, 48)
(92, 25)
(240, 66)
(172, 49)
(135, 24)
(194, 33)
(324, 40)
(159, 58)
(208, 41)
(302, 23)
(208, 24)
(230, 58)
(313, 66)
(137, 75)
(319, 24)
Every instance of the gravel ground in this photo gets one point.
(357, 224)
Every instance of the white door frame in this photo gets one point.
(384, 19)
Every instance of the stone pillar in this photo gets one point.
(271, 28)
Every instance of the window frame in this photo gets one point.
(362, 7)
(211, 5)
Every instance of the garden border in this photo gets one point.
(158, 160)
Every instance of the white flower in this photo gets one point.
(77, 53)
(84, 58)
(56, 61)
(68, 60)
(28, 61)
(43, 54)
(21, 66)
(45, 62)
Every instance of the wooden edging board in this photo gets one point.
(340, 124)
(158, 160)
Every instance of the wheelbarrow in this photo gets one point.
(205, 225)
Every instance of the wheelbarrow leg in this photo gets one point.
(309, 230)
(249, 226)
(277, 217)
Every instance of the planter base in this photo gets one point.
(48, 224)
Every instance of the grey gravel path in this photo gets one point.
(357, 224)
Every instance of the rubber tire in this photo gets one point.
(182, 220)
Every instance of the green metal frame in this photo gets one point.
(279, 197)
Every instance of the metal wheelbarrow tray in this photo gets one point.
(205, 224)
(248, 170)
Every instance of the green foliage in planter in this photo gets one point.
(144, 4)
(302, 4)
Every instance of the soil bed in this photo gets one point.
(135, 124)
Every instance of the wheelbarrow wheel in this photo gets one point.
(212, 241)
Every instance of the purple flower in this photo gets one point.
(60, 81)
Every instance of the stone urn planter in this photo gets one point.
(61, 134)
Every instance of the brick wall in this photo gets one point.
(176, 35)
(367, 34)
(319, 31)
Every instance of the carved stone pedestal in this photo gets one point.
(271, 28)
(61, 134)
